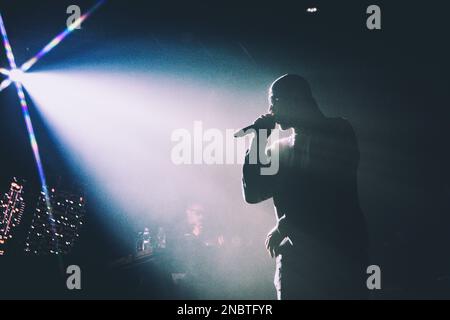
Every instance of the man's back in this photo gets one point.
(316, 188)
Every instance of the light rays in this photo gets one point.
(7, 45)
(25, 112)
(57, 40)
(15, 75)
(9, 55)
(49, 47)
(23, 103)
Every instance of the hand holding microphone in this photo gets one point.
(266, 121)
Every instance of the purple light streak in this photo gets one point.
(24, 105)
(57, 40)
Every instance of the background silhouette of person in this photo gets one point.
(320, 239)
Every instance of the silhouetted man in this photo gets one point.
(320, 239)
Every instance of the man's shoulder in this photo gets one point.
(282, 149)
(344, 137)
(282, 144)
(340, 122)
(341, 126)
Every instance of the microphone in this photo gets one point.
(259, 124)
(244, 131)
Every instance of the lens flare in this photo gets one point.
(57, 40)
(16, 75)
(7, 45)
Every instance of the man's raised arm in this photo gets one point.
(257, 185)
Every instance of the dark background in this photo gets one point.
(392, 84)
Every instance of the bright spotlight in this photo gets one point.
(16, 75)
